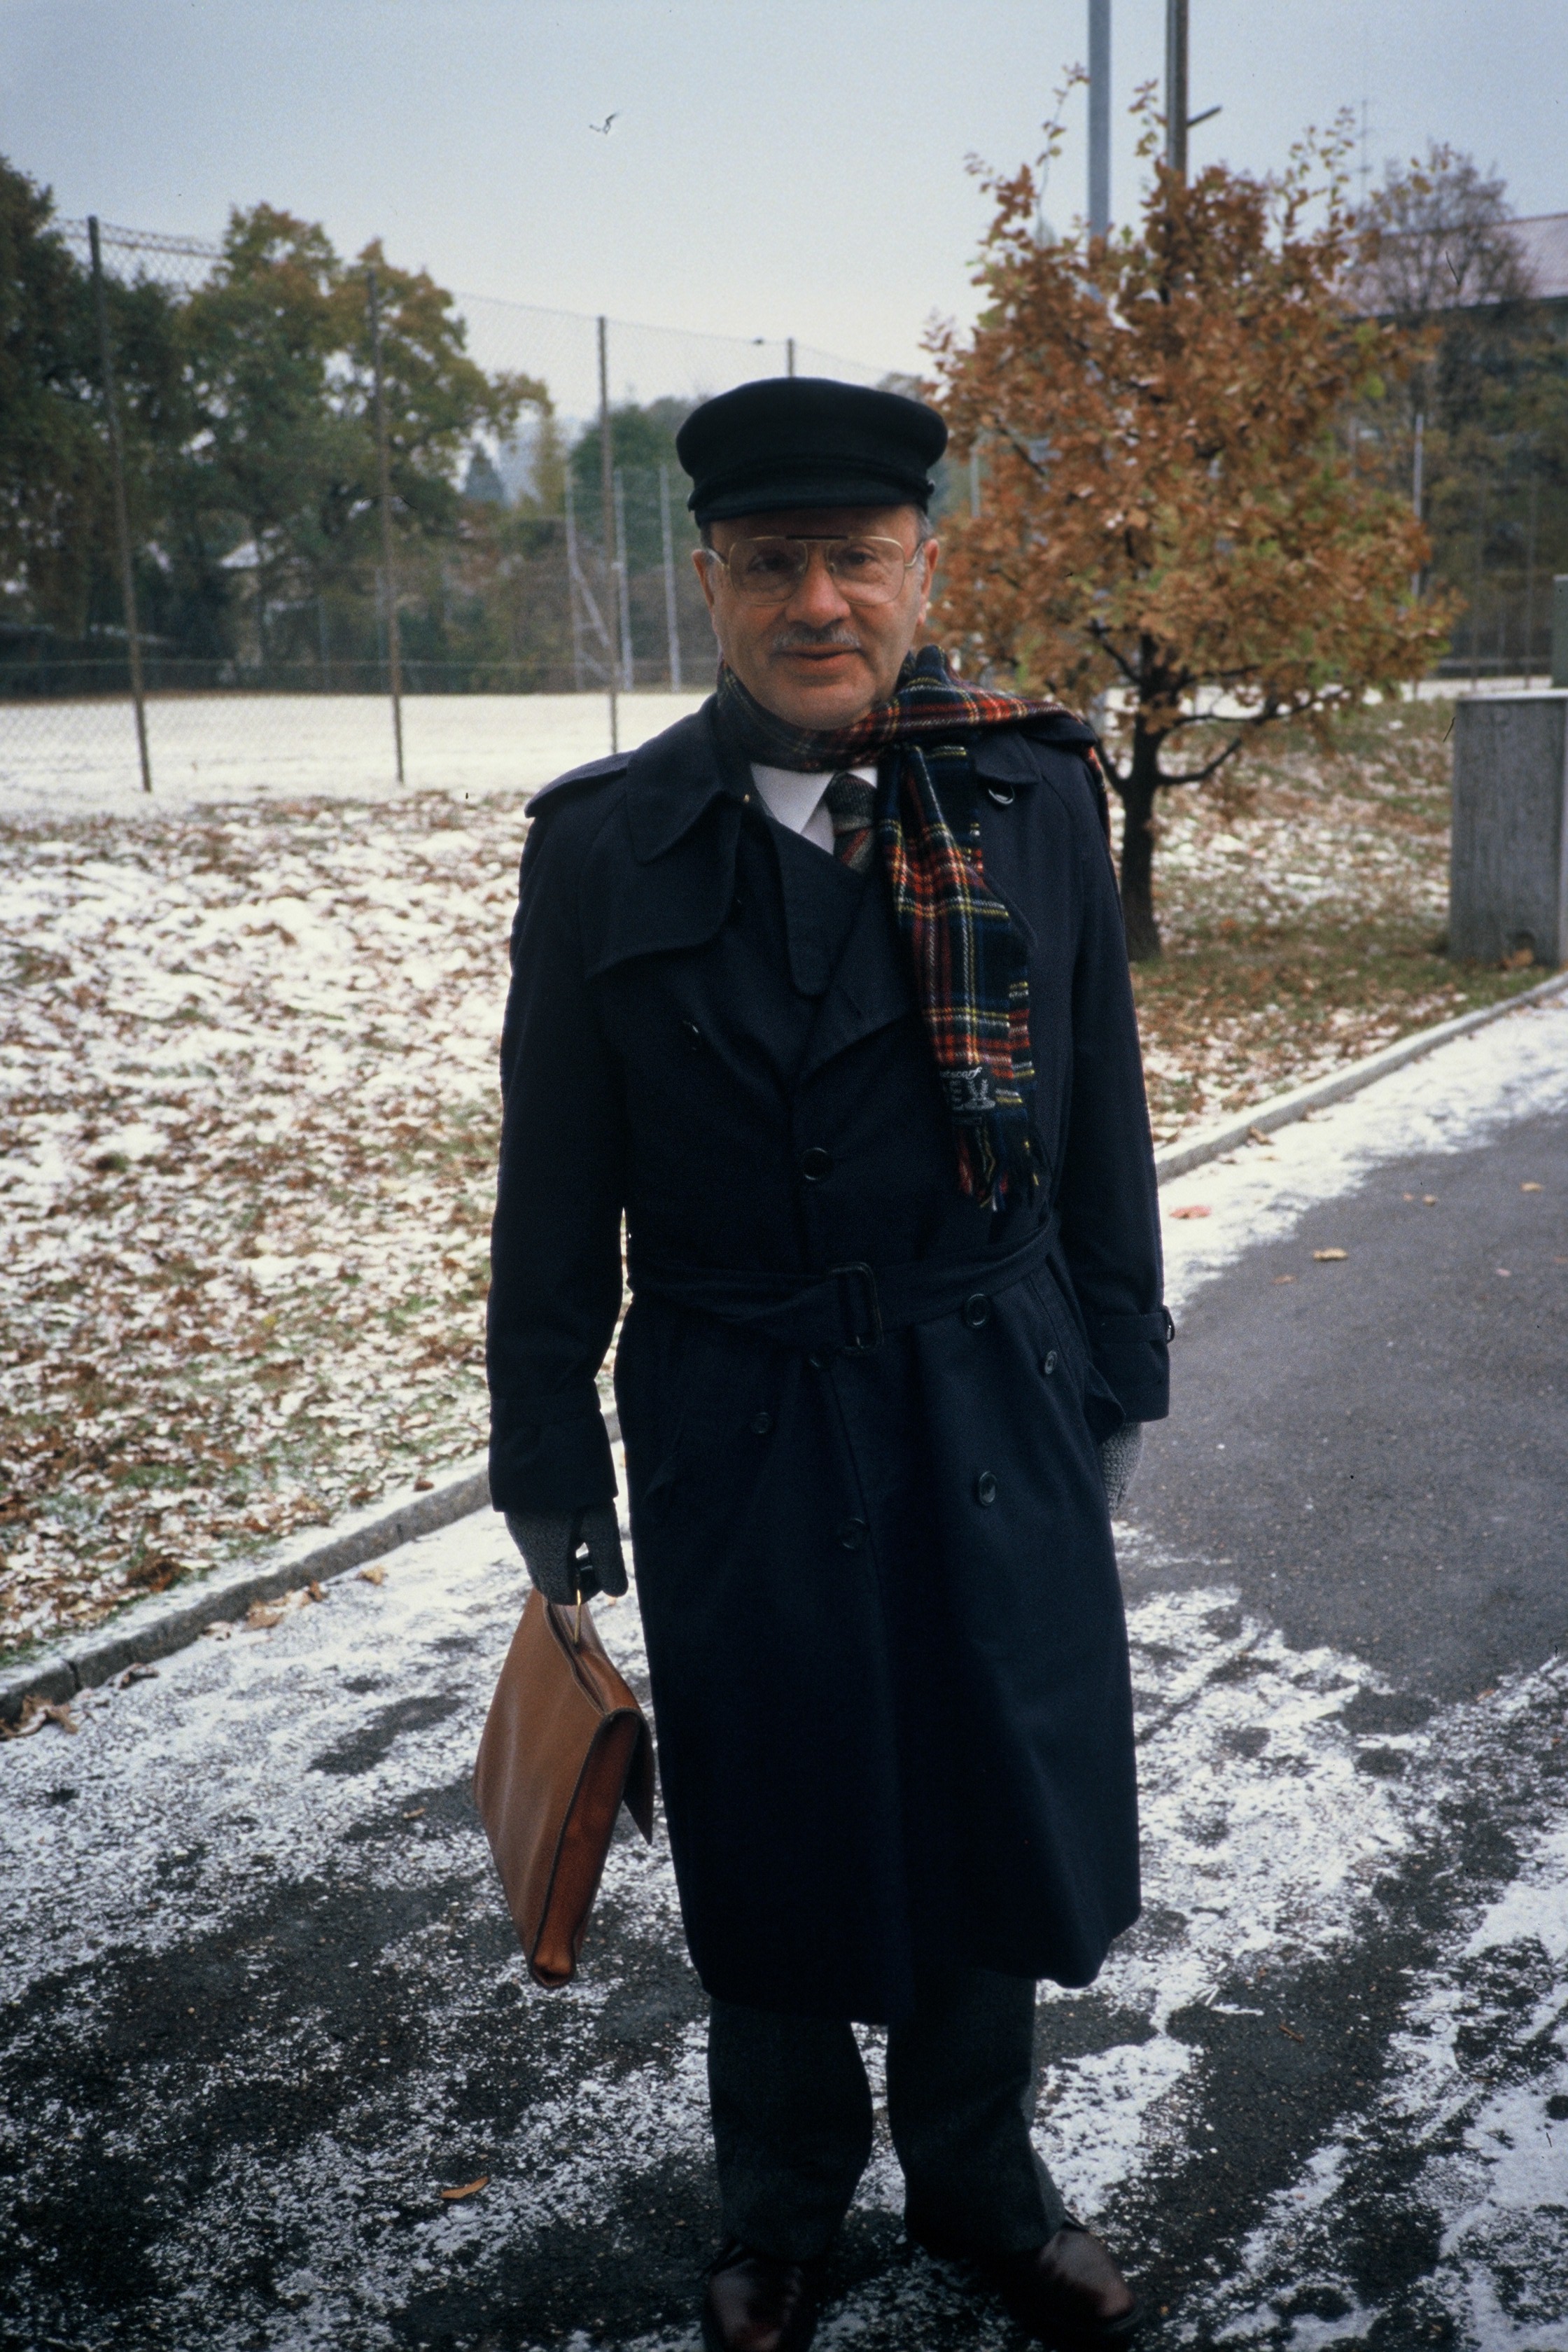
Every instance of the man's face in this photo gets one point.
(823, 656)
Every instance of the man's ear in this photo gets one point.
(931, 549)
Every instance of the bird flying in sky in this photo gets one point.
(604, 128)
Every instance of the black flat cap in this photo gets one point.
(807, 441)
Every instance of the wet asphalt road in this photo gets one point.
(1379, 1446)
(261, 2004)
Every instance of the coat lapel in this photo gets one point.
(870, 987)
(683, 813)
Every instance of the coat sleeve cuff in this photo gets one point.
(549, 1453)
(1131, 1355)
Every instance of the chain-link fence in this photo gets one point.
(257, 557)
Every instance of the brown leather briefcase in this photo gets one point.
(564, 1744)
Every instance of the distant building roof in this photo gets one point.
(1542, 242)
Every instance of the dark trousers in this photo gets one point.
(792, 2119)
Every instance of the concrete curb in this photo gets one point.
(1281, 1111)
(151, 1629)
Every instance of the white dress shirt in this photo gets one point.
(797, 801)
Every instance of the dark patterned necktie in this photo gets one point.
(851, 804)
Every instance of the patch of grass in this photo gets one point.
(1302, 899)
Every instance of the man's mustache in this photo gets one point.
(795, 638)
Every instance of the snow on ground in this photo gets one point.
(1305, 1879)
(321, 1765)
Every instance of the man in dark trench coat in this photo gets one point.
(823, 991)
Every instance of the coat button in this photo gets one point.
(852, 1534)
(816, 1164)
(1049, 1363)
(985, 1488)
(976, 1310)
(762, 1423)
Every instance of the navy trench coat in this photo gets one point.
(884, 1625)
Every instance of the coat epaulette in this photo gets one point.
(593, 772)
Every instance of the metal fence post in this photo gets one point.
(122, 510)
(623, 597)
(671, 619)
(789, 356)
(607, 509)
(572, 571)
(384, 462)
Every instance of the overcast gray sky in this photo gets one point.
(776, 166)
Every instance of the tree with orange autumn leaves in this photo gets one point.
(1179, 501)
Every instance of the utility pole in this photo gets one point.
(789, 356)
(1176, 88)
(384, 465)
(607, 524)
(1099, 118)
(1417, 489)
(121, 512)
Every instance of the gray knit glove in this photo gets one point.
(571, 1555)
(1119, 1460)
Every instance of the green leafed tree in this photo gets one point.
(279, 359)
(54, 481)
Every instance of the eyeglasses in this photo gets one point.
(769, 571)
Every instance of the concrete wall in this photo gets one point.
(1508, 874)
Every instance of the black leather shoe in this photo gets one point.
(1068, 2293)
(755, 2303)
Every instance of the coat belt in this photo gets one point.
(848, 1309)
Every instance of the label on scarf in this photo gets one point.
(969, 1092)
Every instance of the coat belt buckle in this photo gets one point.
(868, 1326)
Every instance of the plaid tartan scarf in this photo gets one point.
(970, 966)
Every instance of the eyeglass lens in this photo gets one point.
(769, 571)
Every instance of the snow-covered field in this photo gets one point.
(76, 758)
(276, 1827)
(247, 1106)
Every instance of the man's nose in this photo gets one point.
(819, 599)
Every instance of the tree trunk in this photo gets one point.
(1138, 791)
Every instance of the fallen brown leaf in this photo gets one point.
(1530, 1188)
(1290, 2033)
(315, 1591)
(138, 1675)
(1329, 1256)
(470, 2189)
(1256, 1135)
(1194, 1209)
(373, 1576)
(1284, 1277)
(423, 1486)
